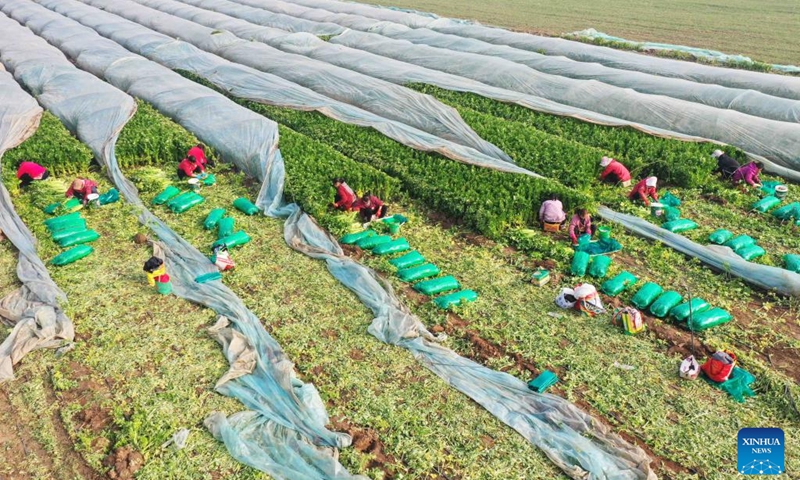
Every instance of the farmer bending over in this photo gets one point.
(551, 214)
(749, 174)
(29, 171)
(370, 207)
(614, 172)
(580, 224)
(645, 190)
(81, 188)
(345, 196)
(726, 165)
(199, 153)
(188, 168)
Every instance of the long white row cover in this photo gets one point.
(776, 140)
(777, 85)
(283, 430)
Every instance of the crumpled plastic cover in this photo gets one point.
(580, 445)
(33, 309)
(284, 414)
(777, 85)
(716, 55)
(366, 32)
(721, 258)
(249, 83)
(212, 33)
(648, 101)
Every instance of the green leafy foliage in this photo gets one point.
(675, 162)
(150, 138)
(53, 147)
(488, 200)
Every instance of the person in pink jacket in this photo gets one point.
(749, 174)
(580, 224)
(551, 214)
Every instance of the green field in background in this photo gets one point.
(765, 30)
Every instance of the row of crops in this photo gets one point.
(316, 147)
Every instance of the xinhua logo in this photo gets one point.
(761, 451)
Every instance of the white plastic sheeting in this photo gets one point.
(581, 446)
(762, 276)
(296, 18)
(252, 84)
(391, 101)
(283, 433)
(33, 309)
(777, 141)
(778, 85)
(705, 53)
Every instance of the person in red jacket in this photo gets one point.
(370, 207)
(199, 153)
(345, 196)
(645, 190)
(188, 168)
(614, 172)
(29, 171)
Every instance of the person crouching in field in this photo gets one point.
(81, 188)
(748, 174)
(614, 172)
(645, 190)
(345, 196)
(726, 165)
(189, 168)
(580, 224)
(551, 214)
(370, 208)
(28, 172)
(199, 154)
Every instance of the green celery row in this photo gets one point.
(679, 163)
(150, 138)
(485, 199)
(53, 147)
(310, 167)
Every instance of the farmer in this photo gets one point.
(726, 164)
(81, 188)
(614, 172)
(29, 171)
(580, 224)
(645, 190)
(749, 174)
(551, 214)
(199, 153)
(345, 196)
(188, 168)
(370, 207)
(157, 275)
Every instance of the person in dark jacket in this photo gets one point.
(29, 171)
(370, 207)
(726, 164)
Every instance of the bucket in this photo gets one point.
(164, 288)
(656, 209)
(781, 191)
(604, 232)
(394, 228)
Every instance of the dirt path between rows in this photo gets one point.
(19, 445)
